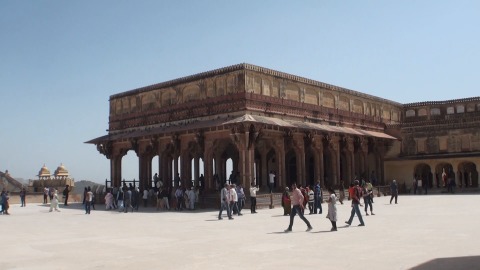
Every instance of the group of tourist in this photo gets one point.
(161, 197)
(295, 200)
(49, 192)
(312, 198)
(124, 198)
(232, 199)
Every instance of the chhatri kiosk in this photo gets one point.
(58, 180)
(304, 130)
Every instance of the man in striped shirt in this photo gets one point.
(297, 207)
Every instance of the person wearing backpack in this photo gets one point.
(356, 195)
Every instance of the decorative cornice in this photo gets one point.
(250, 67)
(443, 102)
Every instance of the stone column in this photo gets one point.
(208, 165)
(300, 152)
(335, 142)
(280, 157)
(351, 152)
(175, 167)
(363, 156)
(116, 170)
(196, 170)
(263, 169)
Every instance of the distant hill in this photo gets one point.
(81, 185)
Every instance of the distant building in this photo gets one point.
(58, 180)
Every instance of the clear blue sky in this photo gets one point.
(61, 60)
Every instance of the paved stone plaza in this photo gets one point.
(421, 232)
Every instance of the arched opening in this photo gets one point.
(130, 168)
(443, 172)
(232, 177)
(155, 170)
(423, 174)
(467, 175)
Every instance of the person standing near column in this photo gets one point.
(253, 198)
(271, 180)
(297, 208)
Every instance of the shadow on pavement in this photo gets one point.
(457, 263)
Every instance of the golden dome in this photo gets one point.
(61, 171)
(44, 172)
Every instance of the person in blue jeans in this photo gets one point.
(356, 195)
(318, 198)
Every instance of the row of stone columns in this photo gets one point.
(320, 147)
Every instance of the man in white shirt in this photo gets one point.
(271, 180)
(234, 204)
(253, 198)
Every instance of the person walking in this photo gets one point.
(54, 202)
(241, 199)
(109, 200)
(286, 202)
(297, 208)
(332, 209)
(253, 198)
(234, 200)
(311, 200)
(317, 192)
(23, 194)
(367, 199)
(225, 202)
(355, 194)
(5, 203)
(394, 191)
(88, 200)
(45, 195)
